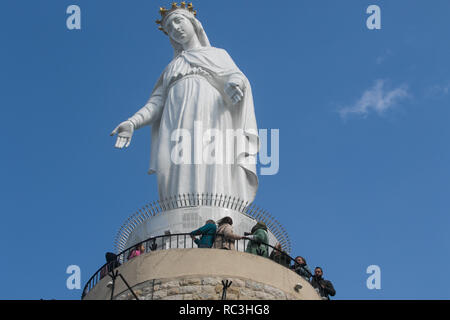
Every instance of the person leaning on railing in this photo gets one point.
(225, 236)
(208, 234)
(324, 287)
(301, 268)
(258, 240)
(137, 251)
(112, 262)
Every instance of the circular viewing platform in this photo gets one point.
(171, 268)
(197, 274)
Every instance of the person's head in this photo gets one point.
(300, 260)
(318, 272)
(110, 257)
(225, 220)
(139, 247)
(259, 225)
(210, 222)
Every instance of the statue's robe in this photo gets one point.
(188, 100)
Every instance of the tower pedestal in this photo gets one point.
(197, 274)
(172, 267)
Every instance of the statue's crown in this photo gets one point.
(166, 12)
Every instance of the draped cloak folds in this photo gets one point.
(191, 88)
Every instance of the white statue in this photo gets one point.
(200, 88)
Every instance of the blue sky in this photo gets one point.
(364, 134)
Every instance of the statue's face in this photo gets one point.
(179, 28)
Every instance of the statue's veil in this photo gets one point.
(200, 32)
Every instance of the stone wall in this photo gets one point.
(203, 288)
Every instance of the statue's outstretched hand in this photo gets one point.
(125, 132)
(234, 92)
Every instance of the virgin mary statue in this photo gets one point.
(204, 136)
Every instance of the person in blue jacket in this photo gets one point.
(208, 234)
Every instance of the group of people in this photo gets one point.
(221, 236)
(324, 287)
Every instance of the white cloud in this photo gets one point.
(376, 99)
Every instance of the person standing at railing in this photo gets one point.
(324, 287)
(208, 234)
(225, 236)
(258, 240)
(112, 262)
(137, 251)
(301, 268)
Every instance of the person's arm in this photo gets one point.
(308, 271)
(202, 230)
(195, 232)
(228, 233)
(259, 236)
(329, 289)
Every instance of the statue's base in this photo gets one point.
(197, 274)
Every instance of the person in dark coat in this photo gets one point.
(112, 262)
(301, 268)
(325, 287)
(208, 234)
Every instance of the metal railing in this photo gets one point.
(159, 207)
(184, 241)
